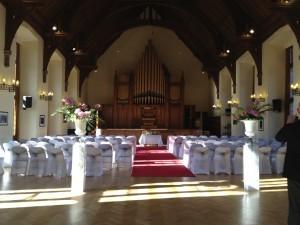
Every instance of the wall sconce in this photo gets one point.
(295, 89)
(11, 87)
(46, 96)
(217, 105)
(233, 102)
(258, 97)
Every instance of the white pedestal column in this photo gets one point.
(251, 166)
(98, 132)
(78, 168)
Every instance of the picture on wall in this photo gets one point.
(42, 121)
(3, 118)
(261, 125)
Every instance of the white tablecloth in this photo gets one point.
(150, 139)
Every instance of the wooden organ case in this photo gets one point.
(148, 98)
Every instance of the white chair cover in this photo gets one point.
(20, 158)
(100, 139)
(1, 160)
(237, 161)
(185, 148)
(213, 137)
(37, 161)
(280, 157)
(60, 139)
(56, 165)
(222, 160)
(210, 144)
(8, 154)
(203, 137)
(107, 154)
(264, 160)
(89, 139)
(115, 142)
(43, 139)
(94, 164)
(124, 155)
(67, 149)
(199, 162)
(122, 137)
(133, 140)
(177, 148)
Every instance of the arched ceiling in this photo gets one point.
(208, 28)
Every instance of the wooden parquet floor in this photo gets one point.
(116, 198)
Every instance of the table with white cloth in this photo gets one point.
(150, 139)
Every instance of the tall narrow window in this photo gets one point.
(17, 93)
(288, 81)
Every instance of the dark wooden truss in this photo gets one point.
(206, 27)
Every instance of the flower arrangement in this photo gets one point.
(72, 110)
(254, 111)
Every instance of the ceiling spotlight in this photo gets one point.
(73, 49)
(251, 31)
(228, 51)
(54, 28)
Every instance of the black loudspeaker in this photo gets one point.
(27, 102)
(277, 105)
(228, 111)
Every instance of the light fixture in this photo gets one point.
(285, 1)
(47, 96)
(258, 97)
(251, 31)
(217, 105)
(247, 32)
(295, 89)
(54, 28)
(11, 87)
(233, 102)
(73, 49)
(224, 54)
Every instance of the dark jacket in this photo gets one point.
(290, 133)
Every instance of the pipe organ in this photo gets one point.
(148, 98)
(149, 80)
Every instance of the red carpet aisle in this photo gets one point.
(158, 162)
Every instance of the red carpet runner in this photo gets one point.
(158, 162)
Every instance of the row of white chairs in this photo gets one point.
(54, 157)
(207, 156)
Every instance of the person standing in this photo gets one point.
(290, 133)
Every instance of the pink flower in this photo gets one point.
(77, 111)
(84, 107)
(68, 101)
(98, 107)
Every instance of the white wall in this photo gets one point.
(73, 83)
(6, 98)
(56, 77)
(244, 86)
(73, 89)
(274, 74)
(225, 90)
(84, 92)
(125, 53)
(31, 56)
